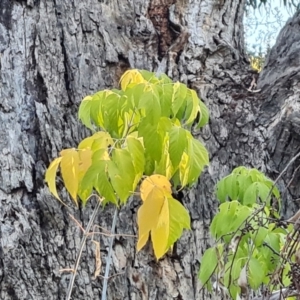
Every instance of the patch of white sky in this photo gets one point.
(262, 25)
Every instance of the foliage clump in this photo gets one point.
(254, 249)
(141, 135)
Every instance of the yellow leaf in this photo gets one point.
(97, 141)
(85, 161)
(160, 233)
(184, 168)
(50, 176)
(69, 166)
(155, 182)
(131, 76)
(148, 214)
(164, 166)
(163, 217)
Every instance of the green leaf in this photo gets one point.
(179, 220)
(250, 196)
(136, 151)
(198, 158)
(204, 115)
(149, 165)
(99, 155)
(178, 142)
(222, 194)
(272, 239)
(242, 214)
(153, 139)
(134, 94)
(84, 113)
(263, 192)
(164, 166)
(244, 181)
(208, 265)
(221, 222)
(150, 104)
(192, 107)
(228, 187)
(149, 76)
(166, 92)
(113, 110)
(178, 97)
(96, 108)
(259, 236)
(236, 270)
(165, 79)
(232, 187)
(102, 183)
(121, 179)
(256, 273)
(96, 176)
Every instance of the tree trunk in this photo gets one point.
(55, 52)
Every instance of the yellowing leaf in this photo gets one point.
(100, 154)
(84, 113)
(51, 175)
(172, 220)
(136, 150)
(161, 215)
(179, 220)
(164, 166)
(148, 214)
(184, 167)
(155, 182)
(160, 232)
(178, 97)
(193, 160)
(131, 76)
(97, 177)
(198, 156)
(192, 107)
(69, 166)
(97, 141)
(85, 161)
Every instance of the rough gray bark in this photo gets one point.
(55, 52)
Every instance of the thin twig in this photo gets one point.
(108, 259)
(83, 241)
(78, 224)
(117, 274)
(286, 167)
(107, 233)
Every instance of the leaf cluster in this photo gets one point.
(249, 241)
(140, 130)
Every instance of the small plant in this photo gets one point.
(253, 248)
(141, 137)
(257, 62)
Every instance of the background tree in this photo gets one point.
(53, 53)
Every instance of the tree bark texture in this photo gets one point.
(55, 52)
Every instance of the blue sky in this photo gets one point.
(263, 25)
